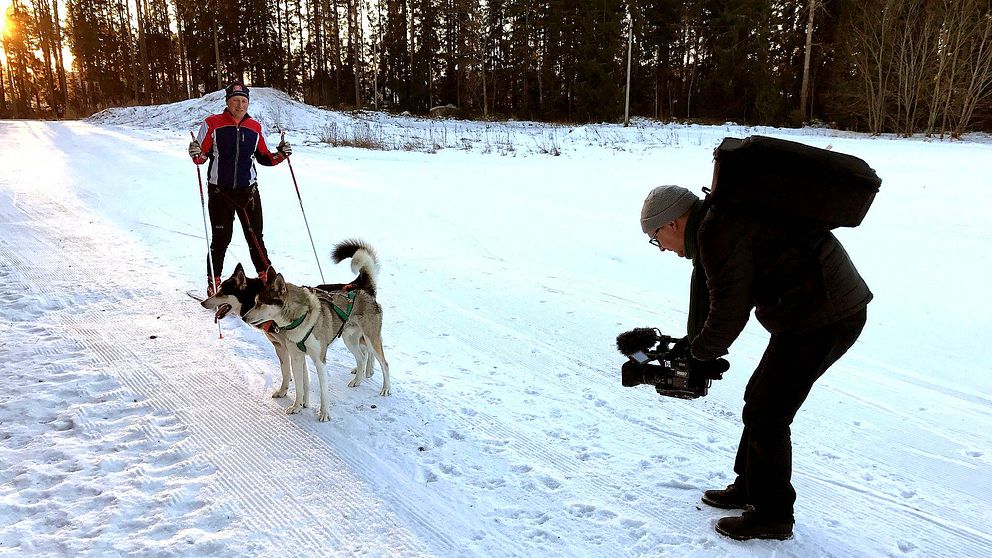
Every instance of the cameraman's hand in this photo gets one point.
(711, 369)
(680, 349)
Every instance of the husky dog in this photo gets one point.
(237, 294)
(311, 319)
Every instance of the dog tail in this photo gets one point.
(364, 261)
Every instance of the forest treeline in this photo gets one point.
(902, 66)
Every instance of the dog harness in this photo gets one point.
(346, 313)
(343, 314)
(296, 323)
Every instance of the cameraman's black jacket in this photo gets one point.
(797, 277)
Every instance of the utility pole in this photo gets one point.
(220, 84)
(630, 46)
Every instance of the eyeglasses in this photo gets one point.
(653, 241)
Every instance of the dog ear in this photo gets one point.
(270, 273)
(239, 277)
(279, 284)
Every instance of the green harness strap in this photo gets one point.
(346, 313)
(343, 314)
(296, 323)
(303, 342)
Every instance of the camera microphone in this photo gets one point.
(639, 339)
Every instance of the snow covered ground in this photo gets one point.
(129, 428)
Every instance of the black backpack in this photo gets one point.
(779, 178)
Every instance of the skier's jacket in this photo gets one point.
(232, 148)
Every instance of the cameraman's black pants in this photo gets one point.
(779, 386)
(222, 205)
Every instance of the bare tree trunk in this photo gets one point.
(43, 23)
(954, 47)
(979, 84)
(60, 62)
(804, 95)
(217, 66)
(124, 17)
(141, 13)
(290, 73)
(3, 95)
(304, 70)
(316, 31)
(336, 49)
(485, 91)
(183, 55)
(915, 47)
(874, 59)
(168, 59)
(355, 43)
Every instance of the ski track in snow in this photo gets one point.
(142, 433)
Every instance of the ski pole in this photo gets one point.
(299, 197)
(206, 232)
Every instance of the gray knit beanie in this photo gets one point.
(663, 205)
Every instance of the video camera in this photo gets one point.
(671, 376)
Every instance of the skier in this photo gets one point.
(805, 291)
(232, 141)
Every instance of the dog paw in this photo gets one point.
(385, 391)
(279, 394)
(369, 372)
(355, 383)
(323, 415)
(293, 409)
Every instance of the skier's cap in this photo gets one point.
(236, 90)
(663, 205)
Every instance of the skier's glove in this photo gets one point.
(194, 149)
(284, 148)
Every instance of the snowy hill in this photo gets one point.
(130, 428)
(270, 106)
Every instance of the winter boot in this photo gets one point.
(730, 498)
(755, 525)
(213, 285)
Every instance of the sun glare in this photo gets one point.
(4, 4)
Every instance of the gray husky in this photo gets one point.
(309, 320)
(236, 295)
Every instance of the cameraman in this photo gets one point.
(805, 291)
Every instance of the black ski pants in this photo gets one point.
(222, 205)
(779, 386)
